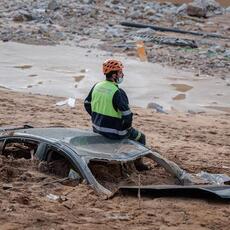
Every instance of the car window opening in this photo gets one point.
(55, 164)
(60, 166)
(19, 149)
(112, 175)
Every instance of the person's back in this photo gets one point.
(108, 107)
(106, 117)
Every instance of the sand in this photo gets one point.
(195, 141)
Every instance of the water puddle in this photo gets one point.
(182, 87)
(79, 78)
(23, 66)
(180, 96)
(143, 82)
(32, 75)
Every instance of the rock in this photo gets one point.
(23, 16)
(58, 17)
(18, 18)
(150, 12)
(53, 5)
(7, 186)
(227, 53)
(69, 204)
(115, 2)
(182, 9)
(227, 10)
(204, 8)
(43, 29)
(216, 49)
(195, 9)
(220, 65)
(157, 107)
(88, 1)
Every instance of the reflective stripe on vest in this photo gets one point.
(102, 99)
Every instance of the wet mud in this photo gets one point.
(194, 141)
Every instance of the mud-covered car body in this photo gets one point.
(80, 147)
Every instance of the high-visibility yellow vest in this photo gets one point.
(102, 99)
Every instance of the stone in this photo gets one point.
(216, 49)
(22, 16)
(88, 1)
(182, 9)
(7, 186)
(150, 12)
(195, 9)
(155, 106)
(227, 10)
(115, 2)
(204, 8)
(18, 18)
(53, 5)
(227, 53)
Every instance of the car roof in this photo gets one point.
(90, 145)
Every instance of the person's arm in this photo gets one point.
(87, 102)
(121, 103)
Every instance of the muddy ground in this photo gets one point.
(195, 141)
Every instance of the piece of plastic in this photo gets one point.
(74, 175)
(52, 197)
(219, 179)
(70, 102)
(141, 51)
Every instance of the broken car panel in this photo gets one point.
(75, 149)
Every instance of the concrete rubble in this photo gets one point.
(50, 22)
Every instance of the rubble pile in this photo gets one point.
(49, 22)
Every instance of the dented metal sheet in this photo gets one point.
(91, 145)
(202, 191)
(82, 146)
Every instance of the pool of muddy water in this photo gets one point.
(72, 71)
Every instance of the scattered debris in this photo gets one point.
(219, 179)
(175, 30)
(157, 107)
(166, 40)
(7, 186)
(141, 51)
(117, 216)
(70, 102)
(53, 197)
(178, 42)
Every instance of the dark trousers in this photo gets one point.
(136, 135)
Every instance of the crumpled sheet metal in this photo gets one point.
(200, 191)
(90, 145)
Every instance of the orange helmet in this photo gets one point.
(112, 65)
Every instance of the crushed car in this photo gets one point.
(105, 164)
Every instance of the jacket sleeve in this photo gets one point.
(121, 103)
(87, 102)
